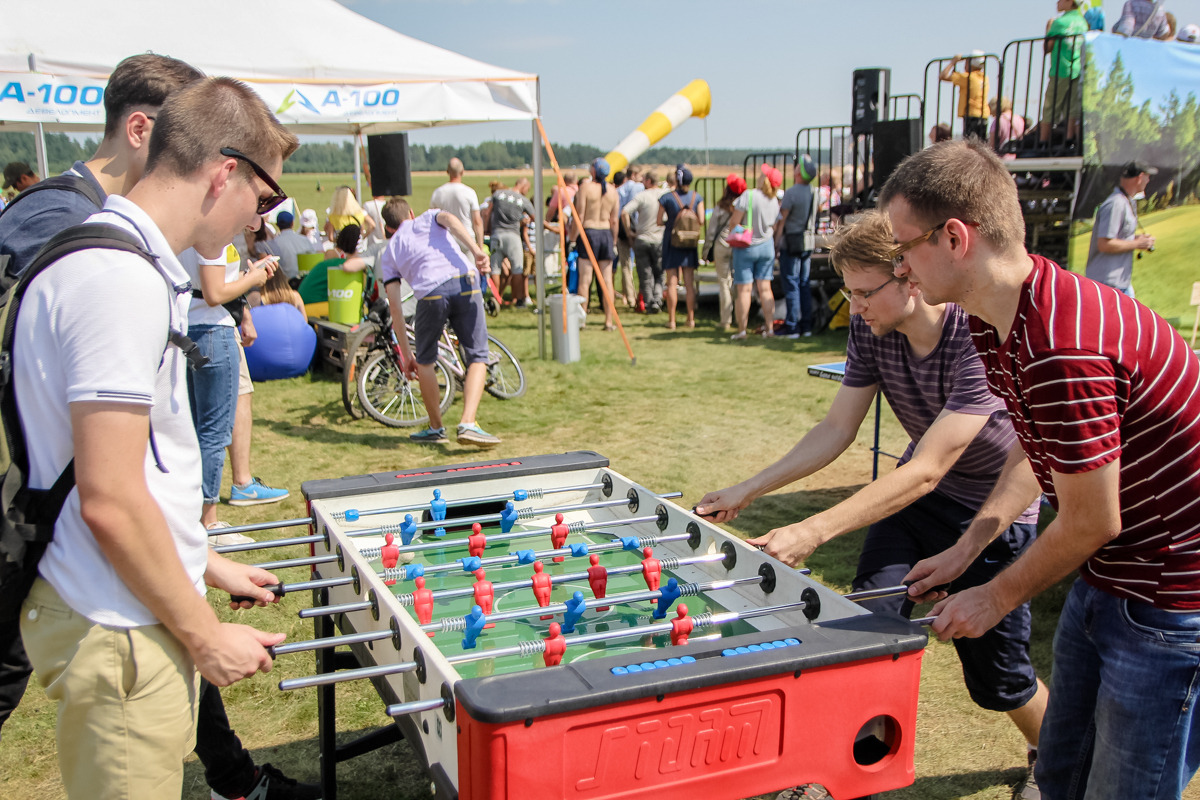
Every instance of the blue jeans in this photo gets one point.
(213, 391)
(1122, 702)
(797, 296)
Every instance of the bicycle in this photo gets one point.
(389, 397)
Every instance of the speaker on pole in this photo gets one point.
(872, 87)
(894, 140)
(387, 155)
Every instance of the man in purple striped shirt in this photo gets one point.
(1105, 400)
(922, 359)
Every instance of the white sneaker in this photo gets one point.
(222, 539)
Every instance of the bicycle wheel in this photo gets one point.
(505, 378)
(388, 397)
(352, 366)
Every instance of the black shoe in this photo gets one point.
(1028, 788)
(274, 785)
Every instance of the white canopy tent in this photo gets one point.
(322, 68)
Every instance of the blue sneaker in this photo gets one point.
(471, 433)
(430, 436)
(255, 493)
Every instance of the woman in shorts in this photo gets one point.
(677, 260)
(598, 209)
(755, 265)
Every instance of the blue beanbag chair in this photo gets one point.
(285, 344)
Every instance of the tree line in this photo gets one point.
(338, 157)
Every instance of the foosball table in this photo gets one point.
(545, 628)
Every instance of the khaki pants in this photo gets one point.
(126, 700)
(722, 263)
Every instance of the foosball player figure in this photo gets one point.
(681, 626)
(408, 529)
(476, 542)
(475, 623)
(484, 594)
(556, 645)
(575, 608)
(558, 536)
(508, 517)
(667, 597)
(543, 585)
(651, 570)
(437, 506)
(598, 580)
(423, 602)
(389, 555)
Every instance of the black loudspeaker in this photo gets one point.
(872, 87)
(892, 142)
(387, 155)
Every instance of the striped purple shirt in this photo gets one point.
(918, 389)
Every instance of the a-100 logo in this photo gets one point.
(64, 94)
(657, 750)
(341, 294)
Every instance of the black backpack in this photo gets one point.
(66, 182)
(27, 516)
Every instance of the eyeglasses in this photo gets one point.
(897, 253)
(265, 204)
(865, 296)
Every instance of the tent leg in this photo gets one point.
(358, 166)
(539, 261)
(39, 147)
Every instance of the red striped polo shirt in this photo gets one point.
(1090, 375)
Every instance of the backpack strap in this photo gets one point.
(68, 182)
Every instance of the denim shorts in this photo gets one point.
(459, 302)
(754, 263)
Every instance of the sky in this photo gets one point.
(774, 66)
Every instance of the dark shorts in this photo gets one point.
(996, 666)
(459, 302)
(601, 241)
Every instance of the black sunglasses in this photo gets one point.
(265, 204)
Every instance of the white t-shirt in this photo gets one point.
(201, 313)
(459, 199)
(763, 213)
(374, 209)
(93, 328)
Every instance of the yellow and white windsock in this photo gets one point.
(693, 100)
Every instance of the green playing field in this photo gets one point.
(508, 633)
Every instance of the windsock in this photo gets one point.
(693, 100)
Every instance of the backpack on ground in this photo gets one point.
(685, 231)
(27, 516)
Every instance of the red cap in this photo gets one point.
(735, 183)
(773, 175)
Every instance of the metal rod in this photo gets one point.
(262, 526)
(330, 641)
(347, 675)
(238, 548)
(468, 501)
(415, 707)
(296, 562)
(328, 611)
(320, 583)
(872, 594)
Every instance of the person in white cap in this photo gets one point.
(309, 230)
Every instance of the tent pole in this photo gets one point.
(358, 164)
(39, 147)
(539, 220)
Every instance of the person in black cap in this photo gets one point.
(1115, 234)
(18, 175)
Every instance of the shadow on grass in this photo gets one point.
(392, 771)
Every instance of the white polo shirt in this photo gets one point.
(93, 328)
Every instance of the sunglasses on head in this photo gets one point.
(265, 204)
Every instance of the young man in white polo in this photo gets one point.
(117, 626)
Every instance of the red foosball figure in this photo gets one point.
(484, 595)
(558, 536)
(542, 587)
(423, 602)
(598, 580)
(556, 645)
(476, 542)
(681, 626)
(651, 570)
(389, 555)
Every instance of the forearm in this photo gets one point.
(217, 292)
(1116, 245)
(1057, 552)
(477, 227)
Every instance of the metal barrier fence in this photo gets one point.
(841, 159)
(908, 99)
(782, 160)
(1026, 82)
(938, 106)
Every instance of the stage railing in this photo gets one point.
(939, 106)
(1026, 82)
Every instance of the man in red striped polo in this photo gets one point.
(1105, 399)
